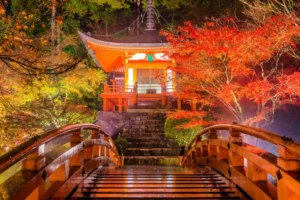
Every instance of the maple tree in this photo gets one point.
(30, 106)
(32, 44)
(31, 54)
(250, 72)
(43, 86)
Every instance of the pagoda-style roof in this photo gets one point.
(109, 53)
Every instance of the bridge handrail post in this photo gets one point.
(235, 160)
(212, 149)
(35, 160)
(75, 139)
(96, 147)
(235, 136)
(287, 161)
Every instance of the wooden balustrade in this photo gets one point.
(118, 88)
(228, 157)
(100, 146)
(131, 88)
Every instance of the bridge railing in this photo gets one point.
(39, 166)
(248, 166)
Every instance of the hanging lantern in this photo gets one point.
(150, 58)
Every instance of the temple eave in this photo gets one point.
(123, 45)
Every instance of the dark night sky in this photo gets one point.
(287, 122)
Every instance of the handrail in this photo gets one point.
(45, 138)
(255, 132)
(42, 165)
(52, 166)
(133, 88)
(118, 88)
(228, 157)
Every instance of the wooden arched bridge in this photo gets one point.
(62, 164)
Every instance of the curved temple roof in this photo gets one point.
(109, 55)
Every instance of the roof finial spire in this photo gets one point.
(150, 16)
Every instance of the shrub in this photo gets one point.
(183, 136)
(121, 141)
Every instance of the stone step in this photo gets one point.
(149, 122)
(148, 130)
(147, 126)
(152, 145)
(160, 138)
(143, 130)
(151, 160)
(152, 152)
(150, 135)
(149, 116)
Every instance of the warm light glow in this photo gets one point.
(138, 56)
(130, 76)
(161, 56)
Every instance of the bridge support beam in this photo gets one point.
(39, 192)
(256, 173)
(287, 160)
(204, 150)
(107, 152)
(285, 192)
(76, 160)
(222, 153)
(88, 153)
(102, 150)
(35, 160)
(76, 138)
(61, 173)
(96, 148)
(198, 152)
(212, 149)
(235, 160)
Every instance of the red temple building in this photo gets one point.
(138, 69)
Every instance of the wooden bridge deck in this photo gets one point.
(152, 182)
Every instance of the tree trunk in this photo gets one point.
(138, 4)
(106, 28)
(53, 29)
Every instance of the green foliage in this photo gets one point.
(183, 136)
(86, 134)
(121, 141)
(31, 105)
(168, 162)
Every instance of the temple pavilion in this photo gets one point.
(138, 69)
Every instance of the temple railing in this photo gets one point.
(139, 88)
(118, 88)
(40, 168)
(247, 166)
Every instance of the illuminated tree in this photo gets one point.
(247, 71)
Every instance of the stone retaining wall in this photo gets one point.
(114, 122)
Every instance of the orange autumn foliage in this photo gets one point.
(244, 70)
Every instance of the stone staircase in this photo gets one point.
(147, 142)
